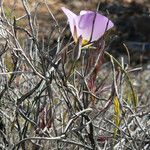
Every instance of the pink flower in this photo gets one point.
(90, 25)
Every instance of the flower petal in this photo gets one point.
(92, 25)
(84, 25)
(101, 24)
(71, 18)
(83, 12)
(68, 13)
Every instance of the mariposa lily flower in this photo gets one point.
(90, 25)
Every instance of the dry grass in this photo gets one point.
(49, 99)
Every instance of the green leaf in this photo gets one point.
(117, 113)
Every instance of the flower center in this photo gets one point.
(84, 42)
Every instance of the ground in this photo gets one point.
(49, 99)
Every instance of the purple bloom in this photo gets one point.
(89, 25)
